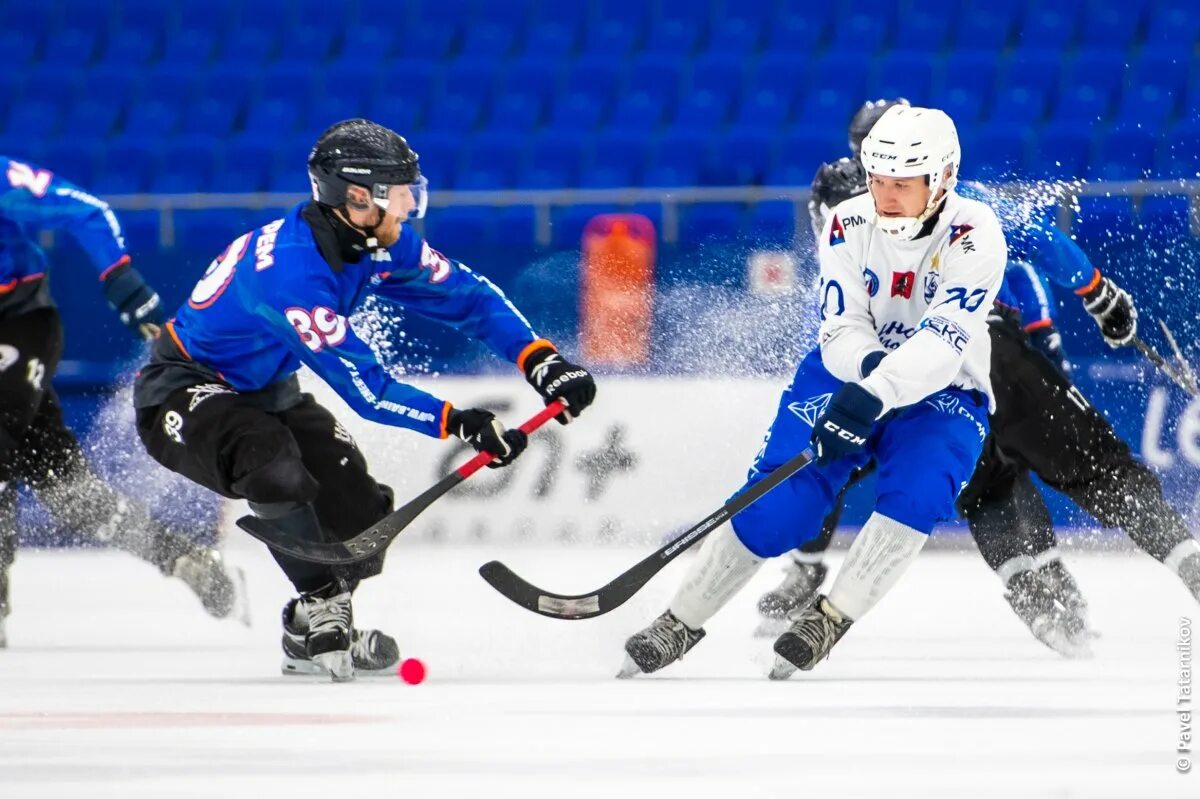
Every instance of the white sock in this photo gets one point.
(1180, 553)
(723, 568)
(882, 552)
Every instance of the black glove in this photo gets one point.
(1112, 308)
(844, 427)
(555, 378)
(483, 431)
(135, 302)
(1048, 341)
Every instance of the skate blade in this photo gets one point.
(340, 665)
(782, 669)
(628, 670)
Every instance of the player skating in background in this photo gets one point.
(918, 406)
(220, 403)
(36, 447)
(1042, 424)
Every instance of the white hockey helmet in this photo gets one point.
(910, 141)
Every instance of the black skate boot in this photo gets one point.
(3, 605)
(801, 581)
(1066, 593)
(330, 620)
(204, 571)
(808, 640)
(371, 651)
(665, 641)
(1031, 599)
(1189, 572)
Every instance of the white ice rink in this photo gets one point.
(116, 685)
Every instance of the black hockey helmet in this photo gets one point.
(865, 118)
(362, 153)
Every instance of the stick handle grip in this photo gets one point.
(533, 423)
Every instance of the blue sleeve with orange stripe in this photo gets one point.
(429, 283)
(1055, 255)
(303, 314)
(1029, 291)
(37, 199)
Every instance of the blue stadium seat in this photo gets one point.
(286, 171)
(209, 116)
(73, 47)
(967, 70)
(985, 27)
(85, 14)
(249, 47)
(165, 83)
(452, 112)
(515, 112)
(92, 118)
(963, 105)
(310, 42)
(903, 73)
(547, 39)
(218, 16)
(151, 117)
(1167, 215)
(472, 77)
(612, 37)
(126, 49)
(567, 223)
(143, 15)
(1147, 104)
(186, 165)
(1083, 103)
(491, 39)
(925, 26)
(708, 222)
(411, 77)
(781, 71)
(50, 84)
(550, 154)
(460, 226)
(1049, 26)
(225, 82)
(210, 231)
(500, 155)
(245, 162)
(861, 30)
(1031, 69)
(271, 115)
(660, 75)
(799, 27)
(33, 120)
(1019, 104)
(740, 157)
(381, 41)
(516, 226)
(702, 108)
(1110, 26)
(294, 82)
(1178, 153)
(537, 76)
(799, 152)
(837, 86)
(1103, 220)
(352, 78)
(18, 47)
(740, 30)
(1173, 27)
(721, 74)
(1124, 153)
(575, 14)
(764, 107)
(1062, 151)
(397, 111)
(1101, 68)
(996, 152)
(677, 158)
(127, 162)
(616, 155)
(578, 111)
(1157, 82)
(440, 157)
(189, 48)
(685, 10)
(72, 158)
(676, 37)
(639, 111)
(587, 73)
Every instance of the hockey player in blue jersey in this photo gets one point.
(36, 448)
(1042, 424)
(220, 403)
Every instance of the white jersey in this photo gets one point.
(924, 302)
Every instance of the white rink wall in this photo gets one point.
(651, 456)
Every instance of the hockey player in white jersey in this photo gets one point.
(908, 275)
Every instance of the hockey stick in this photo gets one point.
(378, 536)
(617, 592)
(1167, 369)
(1185, 368)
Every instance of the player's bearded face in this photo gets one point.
(368, 215)
(899, 197)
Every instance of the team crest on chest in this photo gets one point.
(902, 284)
(837, 233)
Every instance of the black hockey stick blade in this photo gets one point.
(617, 592)
(1185, 368)
(378, 536)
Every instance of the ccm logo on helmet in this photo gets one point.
(884, 156)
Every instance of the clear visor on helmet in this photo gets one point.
(398, 198)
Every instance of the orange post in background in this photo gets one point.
(617, 290)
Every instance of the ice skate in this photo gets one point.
(808, 640)
(1050, 622)
(3, 606)
(801, 581)
(1066, 593)
(330, 620)
(206, 573)
(666, 640)
(371, 651)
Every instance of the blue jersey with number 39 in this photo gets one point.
(271, 302)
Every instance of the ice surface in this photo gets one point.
(116, 685)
